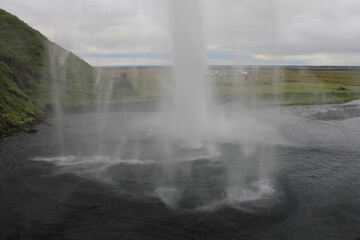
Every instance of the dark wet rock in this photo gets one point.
(342, 89)
(32, 130)
(346, 106)
(339, 114)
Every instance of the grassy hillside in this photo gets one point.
(31, 67)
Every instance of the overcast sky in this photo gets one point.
(138, 32)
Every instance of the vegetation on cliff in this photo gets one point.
(31, 67)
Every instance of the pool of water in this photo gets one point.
(82, 180)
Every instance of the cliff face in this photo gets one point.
(31, 69)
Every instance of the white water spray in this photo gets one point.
(194, 157)
(189, 66)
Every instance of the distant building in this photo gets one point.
(238, 72)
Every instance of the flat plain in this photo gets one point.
(285, 85)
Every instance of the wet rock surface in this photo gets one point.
(339, 114)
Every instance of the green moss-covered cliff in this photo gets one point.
(35, 74)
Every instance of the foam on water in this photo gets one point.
(169, 195)
(68, 161)
(239, 198)
(92, 167)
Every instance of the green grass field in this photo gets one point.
(276, 85)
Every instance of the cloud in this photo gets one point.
(236, 31)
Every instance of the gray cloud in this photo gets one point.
(253, 31)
